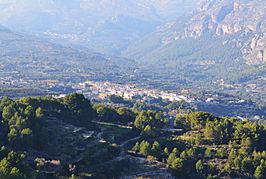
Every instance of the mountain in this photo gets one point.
(245, 18)
(232, 24)
(106, 26)
(220, 47)
(32, 57)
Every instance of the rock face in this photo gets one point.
(238, 26)
(246, 18)
(255, 50)
(228, 17)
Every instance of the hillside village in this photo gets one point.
(101, 90)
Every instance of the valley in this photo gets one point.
(197, 48)
(132, 89)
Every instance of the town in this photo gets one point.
(101, 90)
(17, 85)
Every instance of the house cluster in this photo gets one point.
(101, 90)
(12, 82)
(28, 83)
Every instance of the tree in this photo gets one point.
(198, 119)
(214, 131)
(177, 165)
(5, 101)
(7, 171)
(147, 130)
(126, 115)
(221, 153)
(108, 114)
(198, 139)
(184, 155)
(4, 168)
(210, 176)
(12, 135)
(172, 156)
(208, 153)
(144, 148)
(260, 172)
(191, 153)
(156, 149)
(228, 168)
(140, 120)
(15, 173)
(232, 155)
(150, 118)
(137, 147)
(247, 143)
(39, 113)
(237, 162)
(209, 130)
(27, 136)
(200, 167)
(165, 152)
(9, 111)
(73, 176)
(243, 152)
(26, 132)
(29, 112)
(79, 106)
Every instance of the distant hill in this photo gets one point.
(106, 26)
(34, 57)
(149, 30)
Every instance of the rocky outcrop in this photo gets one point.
(255, 51)
(244, 20)
(222, 17)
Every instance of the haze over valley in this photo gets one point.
(132, 89)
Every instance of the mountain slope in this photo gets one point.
(246, 18)
(106, 26)
(220, 47)
(28, 56)
(238, 24)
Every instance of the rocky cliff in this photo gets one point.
(244, 18)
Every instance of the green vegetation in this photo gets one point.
(23, 127)
(72, 138)
(240, 143)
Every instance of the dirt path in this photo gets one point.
(122, 146)
(112, 124)
(122, 154)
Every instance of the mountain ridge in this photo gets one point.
(33, 57)
(93, 24)
(234, 22)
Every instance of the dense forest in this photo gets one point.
(70, 137)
